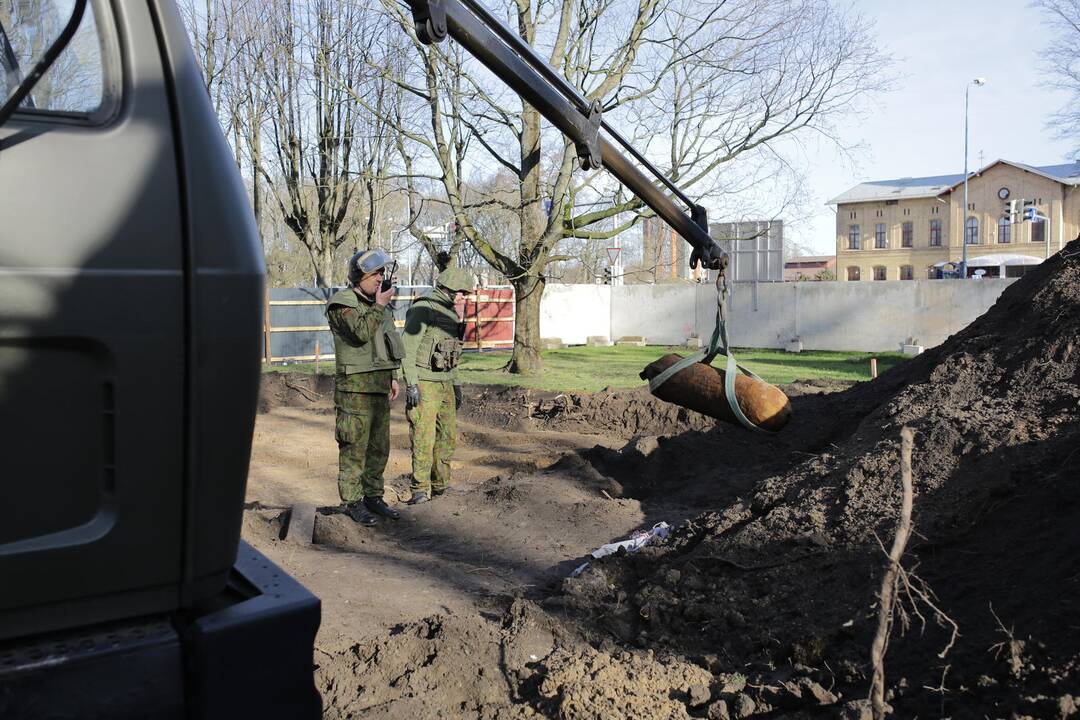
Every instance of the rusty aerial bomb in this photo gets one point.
(700, 387)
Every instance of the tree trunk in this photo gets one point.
(324, 268)
(527, 293)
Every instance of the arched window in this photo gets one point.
(853, 273)
(907, 272)
(1004, 231)
(879, 272)
(971, 231)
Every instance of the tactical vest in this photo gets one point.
(383, 352)
(440, 348)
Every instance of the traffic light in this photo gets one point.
(1010, 211)
(1030, 211)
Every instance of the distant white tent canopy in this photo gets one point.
(995, 263)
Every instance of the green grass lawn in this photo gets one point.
(594, 368)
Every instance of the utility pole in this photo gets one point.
(964, 216)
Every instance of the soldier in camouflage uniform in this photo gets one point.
(432, 389)
(368, 352)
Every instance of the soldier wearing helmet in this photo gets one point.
(433, 392)
(368, 352)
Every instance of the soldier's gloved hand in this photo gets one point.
(412, 396)
(457, 397)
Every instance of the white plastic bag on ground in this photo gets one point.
(636, 541)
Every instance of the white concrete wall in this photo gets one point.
(574, 312)
(866, 316)
(663, 314)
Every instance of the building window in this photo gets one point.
(1015, 271)
(934, 209)
(853, 237)
(853, 273)
(852, 214)
(878, 213)
(1004, 231)
(879, 236)
(907, 272)
(1038, 231)
(935, 233)
(971, 231)
(891, 202)
(907, 211)
(907, 235)
(971, 206)
(879, 272)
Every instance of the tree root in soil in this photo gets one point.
(897, 583)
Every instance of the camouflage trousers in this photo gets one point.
(433, 432)
(363, 438)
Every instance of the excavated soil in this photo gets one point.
(763, 602)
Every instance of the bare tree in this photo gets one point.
(1061, 64)
(707, 87)
(715, 93)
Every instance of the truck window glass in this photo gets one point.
(75, 82)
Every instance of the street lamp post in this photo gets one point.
(964, 215)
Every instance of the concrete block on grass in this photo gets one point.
(633, 340)
(912, 349)
(551, 344)
(597, 341)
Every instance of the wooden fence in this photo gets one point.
(295, 329)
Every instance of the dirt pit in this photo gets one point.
(763, 601)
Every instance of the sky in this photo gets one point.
(918, 129)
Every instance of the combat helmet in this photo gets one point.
(456, 280)
(366, 262)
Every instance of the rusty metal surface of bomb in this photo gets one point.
(700, 387)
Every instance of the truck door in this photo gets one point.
(92, 323)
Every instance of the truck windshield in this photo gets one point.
(63, 35)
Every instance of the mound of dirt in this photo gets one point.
(764, 603)
(623, 413)
(620, 413)
(442, 667)
(784, 571)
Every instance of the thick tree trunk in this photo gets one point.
(527, 293)
(324, 269)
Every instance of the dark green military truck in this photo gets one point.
(131, 287)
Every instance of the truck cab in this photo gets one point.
(131, 296)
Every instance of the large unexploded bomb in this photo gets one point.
(700, 387)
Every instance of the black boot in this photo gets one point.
(378, 506)
(359, 514)
(418, 497)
